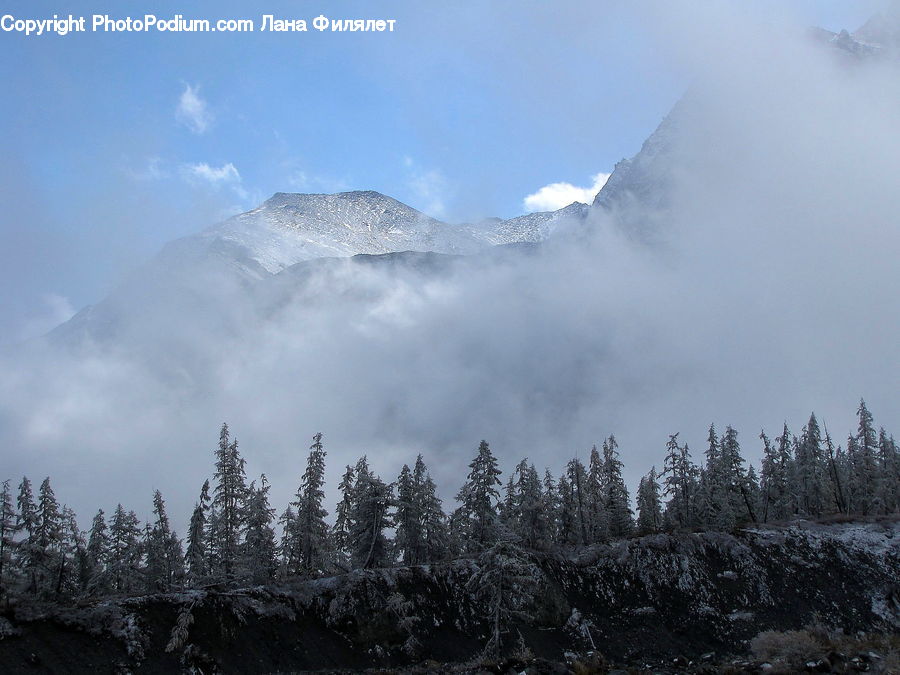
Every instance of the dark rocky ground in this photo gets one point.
(663, 603)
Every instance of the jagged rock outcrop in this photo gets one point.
(640, 601)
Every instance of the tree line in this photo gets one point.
(235, 537)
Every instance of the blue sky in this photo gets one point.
(114, 144)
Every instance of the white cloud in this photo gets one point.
(54, 310)
(154, 169)
(224, 175)
(193, 111)
(429, 188)
(558, 195)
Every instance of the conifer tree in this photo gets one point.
(289, 548)
(164, 556)
(197, 555)
(340, 531)
(435, 536)
(889, 488)
(312, 531)
(408, 541)
(526, 516)
(477, 519)
(98, 554)
(551, 506)
(598, 527)
(679, 485)
(258, 560)
(73, 573)
(229, 499)
(505, 584)
(369, 518)
(125, 551)
(865, 476)
(621, 522)
(577, 501)
(8, 530)
(648, 504)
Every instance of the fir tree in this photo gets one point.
(434, 522)
(312, 531)
(229, 499)
(197, 555)
(477, 519)
(621, 522)
(648, 504)
(340, 531)
(369, 518)
(125, 551)
(505, 584)
(98, 554)
(164, 566)
(258, 559)
(408, 541)
(8, 531)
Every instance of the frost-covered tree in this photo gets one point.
(48, 538)
(576, 503)
(369, 519)
(340, 531)
(595, 492)
(8, 531)
(889, 487)
(679, 485)
(525, 514)
(476, 520)
(551, 506)
(775, 497)
(164, 568)
(505, 584)
(98, 555)
(259, 548)
(229, 499)
(125, 551)
(617, 505)
(836, 476)
(73, 573)
(567, 526)
(716, 509)
(408, 540)
(311, 530)
(864, 470)
(740, 485)
(810, 471)
(435, 536)
(648, 504)
(197, 557)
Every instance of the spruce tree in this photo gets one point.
(98, 555)
(435, 536)
(8, 531)
(340, 531)
(408, 541)
(621, 522)
(125, 551)
(164, 556)
(312, 531)
(648, 504)
(370, 518)
(477, 519)
(229, 505)
(577, 480)
(197, 555)
(258, 560)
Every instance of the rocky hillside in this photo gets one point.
(664, 599)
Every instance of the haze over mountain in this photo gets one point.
(741, 267)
